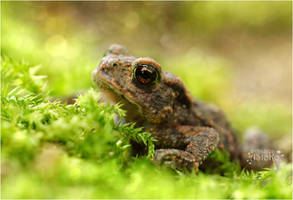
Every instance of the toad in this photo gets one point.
(187, 130)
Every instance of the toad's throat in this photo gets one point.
(133, 110)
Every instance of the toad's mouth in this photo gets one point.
(114, 95)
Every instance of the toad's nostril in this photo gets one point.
(101, 66)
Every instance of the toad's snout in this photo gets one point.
(94, 75)
(104, 71)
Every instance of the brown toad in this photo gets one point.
(187, 130)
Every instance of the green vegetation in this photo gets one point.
(54, 150)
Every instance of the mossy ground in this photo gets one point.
(53, 150)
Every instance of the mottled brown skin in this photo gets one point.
(187, 130)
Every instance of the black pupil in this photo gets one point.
(145, 73)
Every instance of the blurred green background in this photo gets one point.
(235, 54)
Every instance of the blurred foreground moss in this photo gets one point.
(52, 150)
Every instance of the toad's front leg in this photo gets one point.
(200, 142)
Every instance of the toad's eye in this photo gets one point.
(146, 74)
